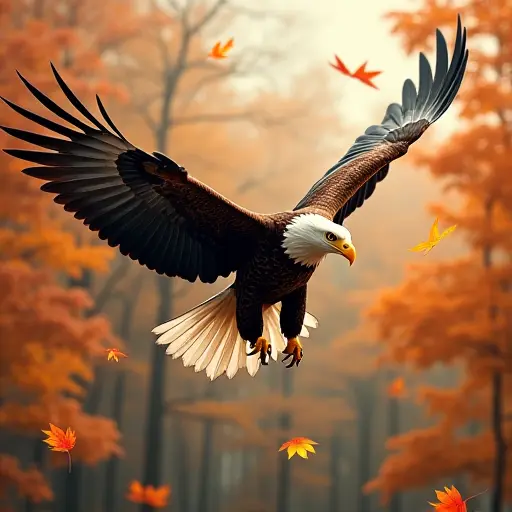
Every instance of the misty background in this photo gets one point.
(260, 127)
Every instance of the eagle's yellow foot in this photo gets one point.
(294, 350)
(264, 348)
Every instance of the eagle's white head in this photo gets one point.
(309, 237)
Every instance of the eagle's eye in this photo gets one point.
(331, 236)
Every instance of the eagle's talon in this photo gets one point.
(294, 350)
(264, 348)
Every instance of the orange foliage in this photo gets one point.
(38, 231)
(46, 343)
(155, 497)
(47, 340)
(30, 483)
(458, 312)
(397, 388)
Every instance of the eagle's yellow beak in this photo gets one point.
(346, 249)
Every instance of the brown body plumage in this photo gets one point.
(156, 213)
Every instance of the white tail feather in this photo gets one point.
(207, 337)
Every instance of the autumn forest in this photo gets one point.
(406, 385)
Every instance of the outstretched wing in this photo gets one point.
(402, 125)
(144, 203)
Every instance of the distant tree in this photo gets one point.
(45, 344)
(34, 231)
(458, 312)
(182, 97)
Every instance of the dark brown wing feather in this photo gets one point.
(144, 203)
(354, 178)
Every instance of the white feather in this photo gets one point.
(207, 337)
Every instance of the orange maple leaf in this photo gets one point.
(154, 497)
(157, 498)
(360, 74)
(136, 492)
(451, 501)
(434, 237)
(115, 354)
(219, 51)
(298, 445)
(59, 441)
(397, 387)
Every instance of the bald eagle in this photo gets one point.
(158, 214)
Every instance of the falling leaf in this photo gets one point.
(451, 501)
(219, 51)
(433, 238)
(157, 498)
(115, 354)
(360, 74)
(60, 441)
(136, 492)
(298, 445)
(397, 387)
(154, 497)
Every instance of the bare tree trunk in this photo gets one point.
(499, 473)
(182, 489)
(39, 458)
(334, 471)
(71, 500)
(365, 403)
(38, 9)
(206, 459)
(112, 469)
(474, 428)
(285, 424)
(216, 488)
(125, 331)
(497, 397)
(394, 430)
(155, 416)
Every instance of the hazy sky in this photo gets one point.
(356, 32)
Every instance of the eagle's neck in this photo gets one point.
(301, 243)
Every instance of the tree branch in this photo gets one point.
(214, 118)
(251, 116)
(142, 110)
(209, 15)
(105, 294)
(246, 65)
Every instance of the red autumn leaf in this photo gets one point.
(60, 441)
(136, 492)
(451, 501)
(219, 51)
(155, 497)
(360, 74)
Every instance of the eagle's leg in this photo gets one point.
(294, 350)
(249, 320)
(292, 316)
(263, 347)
